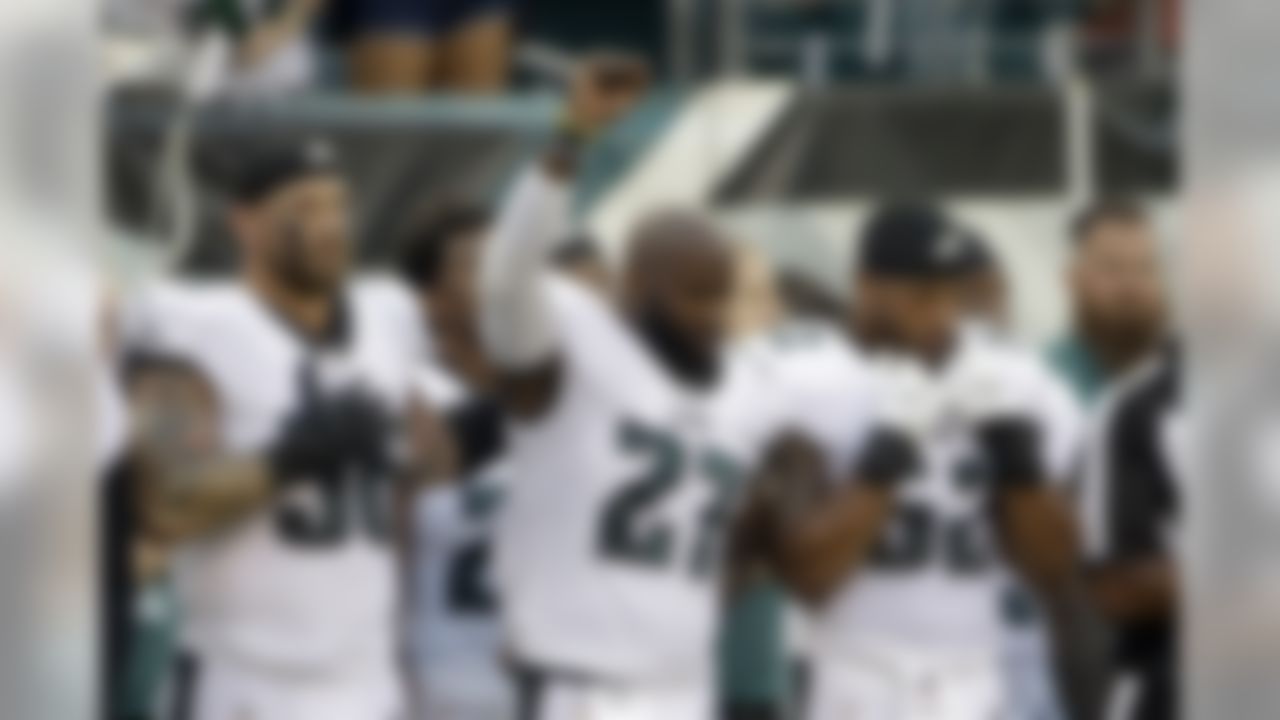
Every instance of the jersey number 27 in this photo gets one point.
(629, 531)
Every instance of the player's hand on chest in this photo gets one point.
(333, 458)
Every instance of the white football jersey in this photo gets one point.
(936, 578)
(306, 584)
(609, 551)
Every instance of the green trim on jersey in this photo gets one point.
(1076, 364)
(754, 669)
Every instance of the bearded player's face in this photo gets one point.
(305, 237)
(685, 312)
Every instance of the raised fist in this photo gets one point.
(604, 87)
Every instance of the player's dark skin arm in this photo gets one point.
(822, 535)
(818, 554)
(753, 535)
(189, 487)
(1039, 536)
(1040, 540)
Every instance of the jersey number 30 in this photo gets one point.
(630, 532)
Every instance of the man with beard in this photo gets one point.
(275, 493)
(1117, 296)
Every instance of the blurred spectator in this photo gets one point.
(411, 46)
(265, 47)
(1117, 297)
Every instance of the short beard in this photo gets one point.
(290, 269)
(299, 281)
(677, 354)
(1124, 341)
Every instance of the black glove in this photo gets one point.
(328, 435)
(1012, 447)
(367, 429)
(889, 458)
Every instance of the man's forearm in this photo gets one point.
(184, 500)
(1038, 534)
(825, 537)
(819, 551)
(1040, 539)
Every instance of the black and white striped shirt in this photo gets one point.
(1131, 501)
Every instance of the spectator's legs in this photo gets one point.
(477, 55)
(393, 63)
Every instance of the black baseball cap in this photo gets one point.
(269, 166)
(912, 241)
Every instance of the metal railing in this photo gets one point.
(956, 41)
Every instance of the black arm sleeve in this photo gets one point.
(478, 428)
(1142, 499)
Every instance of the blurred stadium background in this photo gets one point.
(785, 116)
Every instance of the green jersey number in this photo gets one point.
(629, 532)
(917, 535)
(469, 586)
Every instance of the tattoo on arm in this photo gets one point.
(190, 485)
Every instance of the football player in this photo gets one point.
(633, 431)
(910, 625)
(275, 495)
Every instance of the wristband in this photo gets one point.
(1012, 447)
(567, 147)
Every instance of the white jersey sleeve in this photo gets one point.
(513, 276)
(1064, 422)
(997, 376)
